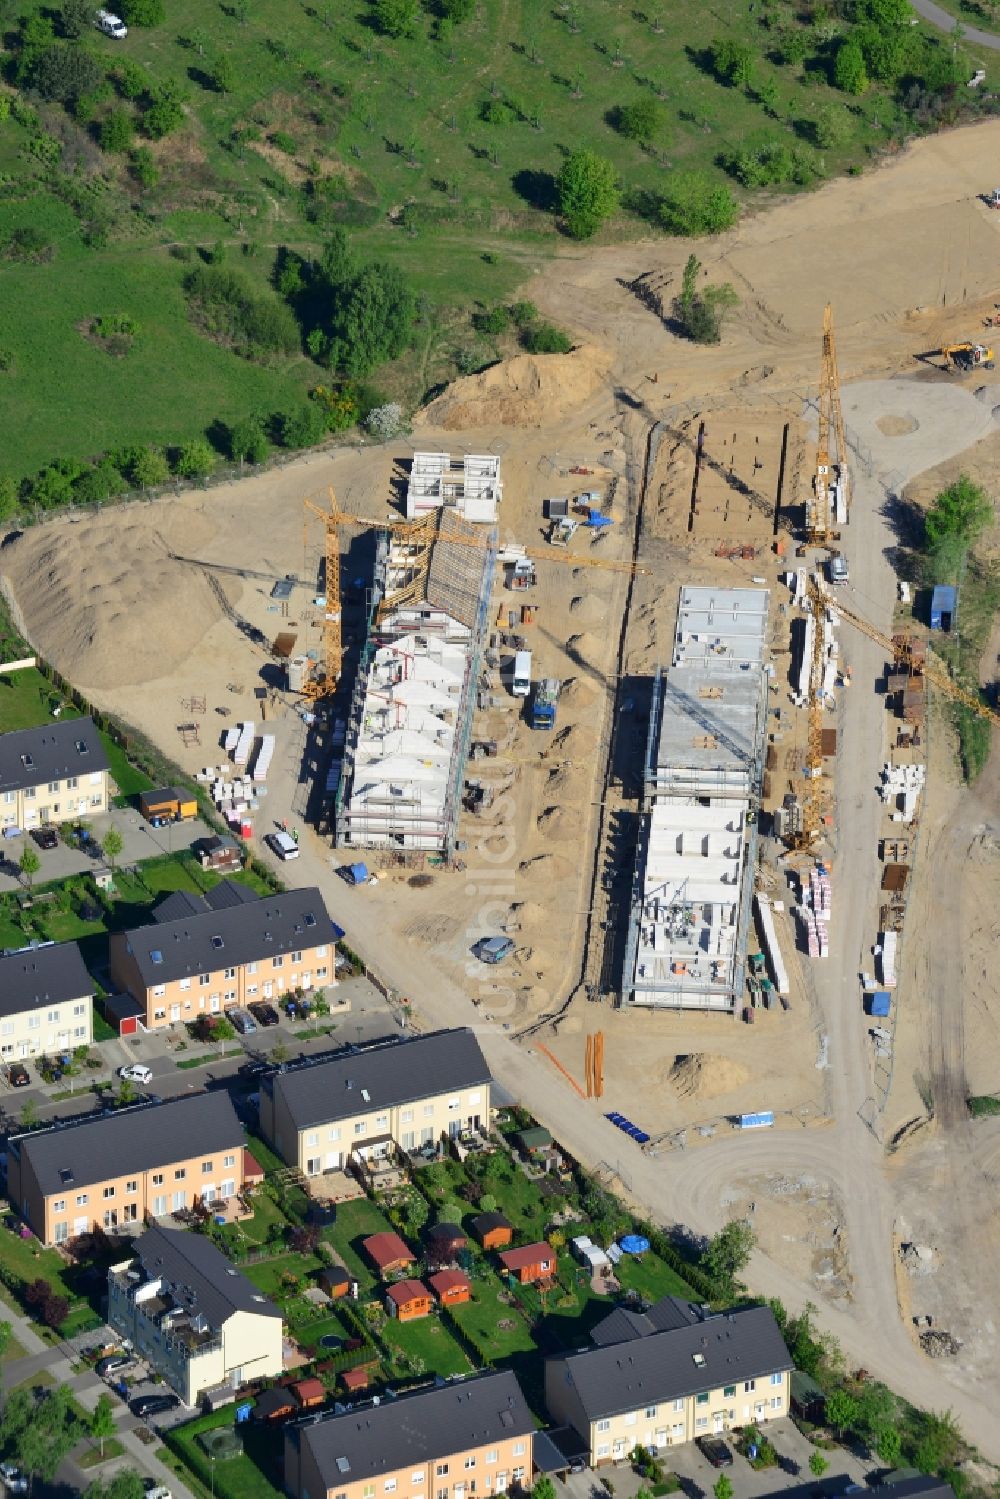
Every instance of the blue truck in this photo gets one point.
(543, 708)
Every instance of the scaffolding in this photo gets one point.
(414, 696)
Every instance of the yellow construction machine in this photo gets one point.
(967, 356)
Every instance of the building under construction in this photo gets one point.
(408, 731)
(693, 880)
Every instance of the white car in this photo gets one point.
(110, 24)
(136, 1072)
(283, 844)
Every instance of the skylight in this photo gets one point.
(82, 747)
(217, 942)
(156, 956)
(309, 919)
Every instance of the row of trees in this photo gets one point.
(588, 192)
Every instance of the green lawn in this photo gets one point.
(482, 1317)
(267, 1275)
(328, 1326)
(651, 1278)
(267, 1215)
(356, 1221)
(395, 135)
(27, 700)
(26, 1259)
(255, 1474)
(426, 1346)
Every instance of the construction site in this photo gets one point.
(658, 709)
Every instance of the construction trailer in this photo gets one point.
(167, 804)
(545, 703)
(692, 885)
(401, 769)
(944, 608)
(470, 484)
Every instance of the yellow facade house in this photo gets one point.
(55, 773)
(192, 1316)
(668, 1376)
(396, 1094)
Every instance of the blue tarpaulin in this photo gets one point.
(634, 1244)
(880, 1002)
(359, 873)
(596, 521)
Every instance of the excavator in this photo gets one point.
(967, 356)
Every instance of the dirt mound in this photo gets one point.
(586, 609)
(565, 745)
(894, 425)
(556, 822)
(84, 618)
(525, 915)
(702, 1075)
(577, 691)
(530, 390)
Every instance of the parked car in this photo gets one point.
(493, 949)
(283, 844)
(153, 1405)
(115, 1363)
(243, 1021)
(18, 1075)
(14, 1479)
(716, 1451)
(256, 1068)
(264, 1014)
(45, 837)
(110, 24)
(136, 1072)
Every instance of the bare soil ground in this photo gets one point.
(908, 257)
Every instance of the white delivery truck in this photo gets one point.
(520, 684)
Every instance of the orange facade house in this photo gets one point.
(531, 1263)
(388, 1253)
(451, 1287)
(408, 1299)
(203, 954)
(117, 1171)
(492, 1230)
(469, 1437)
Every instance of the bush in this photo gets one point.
(63, 74)
(496, 321)
(247, 441)
(849, 71)
(144, 12)
(164, 115)
(396, 17)
(523, 313)
(544, 338)
(229, 308)
(639, 121)
(195, 459)
(769, 164)
(693, 204)
(28, 245)
(302, 428)
(386, 421)
(497, 112)
(117, 131)
(340, 406)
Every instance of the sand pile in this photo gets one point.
(546, 867)
(578, 692)
(525, 915)
(116, 620)
(586, 609)
(526, 391)
(556, 822)
(702, 1075)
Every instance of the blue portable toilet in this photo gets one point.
(944, 607)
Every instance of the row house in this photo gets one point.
(46, 1002)
(55, 773)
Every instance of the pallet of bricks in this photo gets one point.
(817, 908)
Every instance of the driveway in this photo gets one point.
(140, 841)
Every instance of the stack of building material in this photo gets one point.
(241, 754)
(770, 937)
(903, 784)
(230, 740)
(262, 757)
(817, 906)
(886, 954)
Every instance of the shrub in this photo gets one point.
(230, 309)
(497, 112)
(693, 204)
(64, 74)
(523, 313)
(544, 338)
(340, 406)
(164, 115)
(396, 17)
(195, 459)
(639, 121)
(247, 441)
(144, 12)
(849, 71)
(284, 142)
(117, 131)
(497, 320)
(301, 428)
(28, 245)
(386, 421)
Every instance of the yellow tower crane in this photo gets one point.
(831, 418)
(415, 540)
